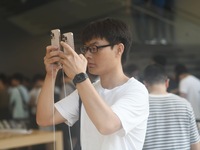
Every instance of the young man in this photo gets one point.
(171, 123)
(115, 108)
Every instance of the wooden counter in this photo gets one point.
(10, 140)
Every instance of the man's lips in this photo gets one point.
(91, 65)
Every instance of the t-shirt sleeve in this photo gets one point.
(183, 88)
(68, 107)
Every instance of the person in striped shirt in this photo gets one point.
(171, 123)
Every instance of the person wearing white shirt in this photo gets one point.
(115, 108)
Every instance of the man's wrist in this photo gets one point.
(80, 78)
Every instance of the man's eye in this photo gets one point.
(93, 49)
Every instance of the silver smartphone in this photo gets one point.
(69, 39)
(56, 38)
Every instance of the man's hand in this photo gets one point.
(51, 60)
(72, 63)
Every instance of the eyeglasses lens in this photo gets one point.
(92, 49)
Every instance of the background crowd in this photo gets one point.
(18, 94)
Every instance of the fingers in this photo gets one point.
(68, 52)
(51, 48)
(52, 55)
(83, 57)
(67, 48)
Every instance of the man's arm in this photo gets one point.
(46, 111)
(103, 117)
(195, 146)
(184, 95)
(45, 105)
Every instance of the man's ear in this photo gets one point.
(167, 83)
(120, 48)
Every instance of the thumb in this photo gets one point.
(82, 57)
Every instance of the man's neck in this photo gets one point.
(110, 81)
(157, 90)
(184, 75)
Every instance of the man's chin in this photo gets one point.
(92, 71)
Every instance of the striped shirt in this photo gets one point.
(171, 124)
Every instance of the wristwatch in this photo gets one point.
(80, 78)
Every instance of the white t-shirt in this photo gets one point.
(190, 85)
(130, 103)
(18, 102)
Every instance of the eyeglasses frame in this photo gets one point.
(97, 47)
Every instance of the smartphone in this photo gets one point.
(56, 38)
(69, 39)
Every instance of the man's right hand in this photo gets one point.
(51, 60)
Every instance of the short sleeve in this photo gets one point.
(68, 107)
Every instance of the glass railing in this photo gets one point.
(157, 25)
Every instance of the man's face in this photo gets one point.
(104, 60)
(15, 82)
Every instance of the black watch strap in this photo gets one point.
(80, 78)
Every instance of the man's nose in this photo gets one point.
(88, 54)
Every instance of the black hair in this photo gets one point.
(160, 59)
(3, 78)
(180, 69)
(17, 76)
(154, 74)
(113, 30)
(37, 77)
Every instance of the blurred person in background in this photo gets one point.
(171, 123)
(162, 60)
(132, 70)
(4, 98)
(19, 97)
(189, 87)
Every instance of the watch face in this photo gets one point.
(80, 78)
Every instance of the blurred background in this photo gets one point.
(170, 28)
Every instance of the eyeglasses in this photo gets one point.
(93, 48)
